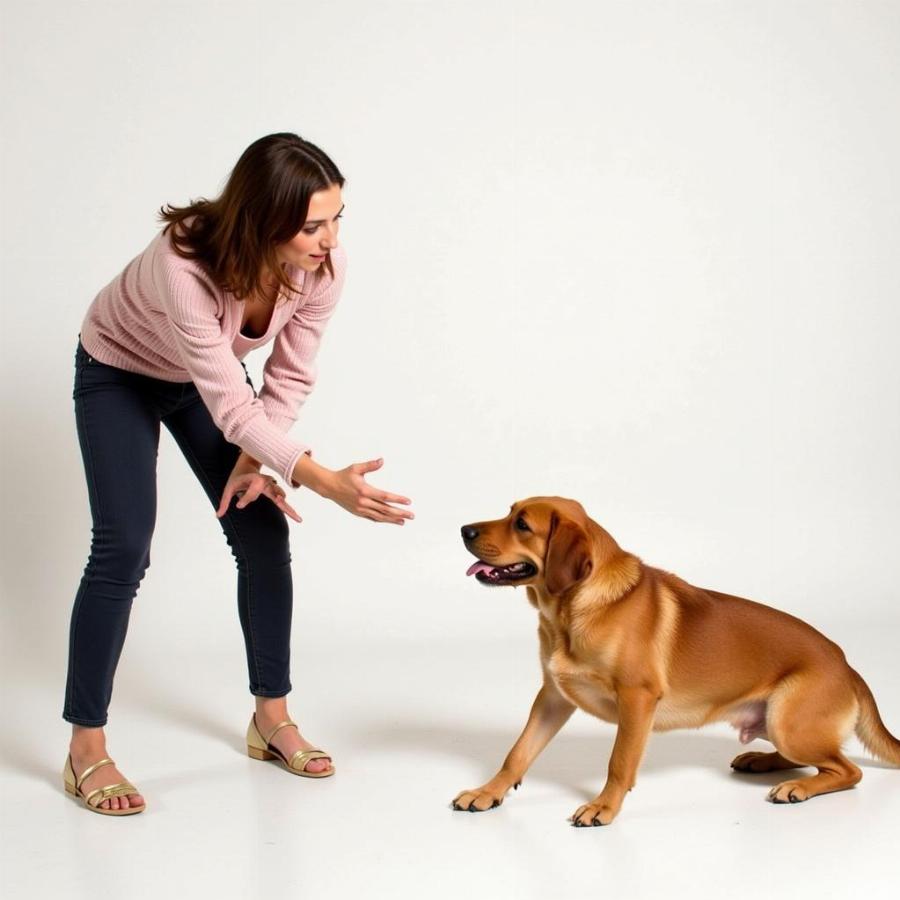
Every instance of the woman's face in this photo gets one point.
(309, 248)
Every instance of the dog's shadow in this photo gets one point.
(576, 760)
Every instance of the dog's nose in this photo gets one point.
(469, 533)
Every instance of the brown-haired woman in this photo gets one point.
(163, 343)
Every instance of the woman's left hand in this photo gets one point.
(250, 486)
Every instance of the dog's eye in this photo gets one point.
(522, 525)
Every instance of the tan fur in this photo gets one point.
(639, 647)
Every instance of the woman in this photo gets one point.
(163, 342)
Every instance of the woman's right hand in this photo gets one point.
(349, 489)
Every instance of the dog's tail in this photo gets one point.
(869, 727)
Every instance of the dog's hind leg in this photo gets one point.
(810, 716)
(754, 762)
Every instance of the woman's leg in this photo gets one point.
(118, 430)
(259, 540)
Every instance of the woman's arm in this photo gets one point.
(289, 374)
(349, 489)
(206, 353)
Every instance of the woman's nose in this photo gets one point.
(330, 241)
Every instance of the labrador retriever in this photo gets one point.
(641, 648)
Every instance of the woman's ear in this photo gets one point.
(568, 557)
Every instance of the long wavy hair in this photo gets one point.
(264, 203)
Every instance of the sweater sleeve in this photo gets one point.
(207, 355)
(290, 371)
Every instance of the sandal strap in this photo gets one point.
(111, 790)
(278, 728)
(302, 757)
(90, 771)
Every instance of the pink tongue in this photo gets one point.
(479, 567)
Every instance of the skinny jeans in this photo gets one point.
(118, 415)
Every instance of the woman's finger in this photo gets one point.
(377, 494)
(370, 466)
(376, 502)
(227, 494)
(251, 494)
(383, 513)
(287, 509)
(369, 490)
(276, 494)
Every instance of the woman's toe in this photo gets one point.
(318, 765)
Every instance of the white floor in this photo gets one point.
(409, 726)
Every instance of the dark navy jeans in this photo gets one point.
(118, 415)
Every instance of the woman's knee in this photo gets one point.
(262, 535)
(121, 552)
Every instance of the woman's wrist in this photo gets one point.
(310, 474)
(246, 463)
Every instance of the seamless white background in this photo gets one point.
(640, 254)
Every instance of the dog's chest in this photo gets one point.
(585, 682)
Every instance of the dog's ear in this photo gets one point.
(568, 557)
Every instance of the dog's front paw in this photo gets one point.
(789, 792)
(477, 800)
(596, 813)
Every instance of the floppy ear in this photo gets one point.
(568, 557)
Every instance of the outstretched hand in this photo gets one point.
(349, 489)
(250, 486)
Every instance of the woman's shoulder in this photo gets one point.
(172, 264)
(183, 284)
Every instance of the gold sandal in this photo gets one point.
(259, 747)
(93, 800)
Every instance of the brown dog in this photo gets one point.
(642, 648)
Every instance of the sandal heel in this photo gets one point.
(255, 753)
(70, 788)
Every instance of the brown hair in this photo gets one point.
(264, 203)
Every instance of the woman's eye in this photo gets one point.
(522, 525)
(311, 230)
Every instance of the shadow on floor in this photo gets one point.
(577, 760)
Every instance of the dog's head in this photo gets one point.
(544, 541)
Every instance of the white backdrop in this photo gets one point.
(640, 254)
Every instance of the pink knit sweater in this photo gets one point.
(164, 317)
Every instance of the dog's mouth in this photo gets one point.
(488, 574)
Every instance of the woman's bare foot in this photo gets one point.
(87, 747)
(272, 710)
